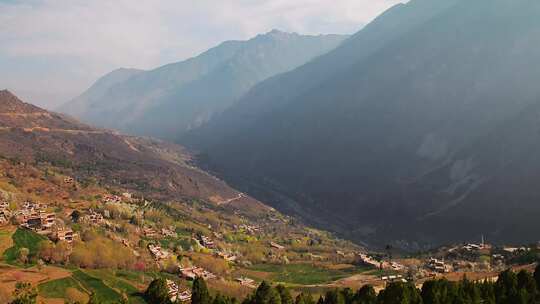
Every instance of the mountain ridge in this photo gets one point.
(168, 100)
(352, 149)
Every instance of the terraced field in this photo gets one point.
(22, 238)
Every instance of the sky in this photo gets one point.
(52, 50)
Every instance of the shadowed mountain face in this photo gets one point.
(168, 101)
(414, 129)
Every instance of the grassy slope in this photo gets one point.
(57, 288)
(304, 274)
(114, 280)
(22, 238)
(103, 292)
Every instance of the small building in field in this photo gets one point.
(276, 246)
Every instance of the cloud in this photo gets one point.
(51, 50)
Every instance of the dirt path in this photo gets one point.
(10, 275)
(228, 201)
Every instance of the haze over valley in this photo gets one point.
(356, 152)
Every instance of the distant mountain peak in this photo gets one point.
(167, 101)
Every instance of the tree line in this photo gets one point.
(509, 288)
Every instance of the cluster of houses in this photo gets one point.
(93, 218)
(250, 229)
(205, 241)
(152, 233)
(276, 246)
(393, 278)
(368, 260)
(65, 235)
(191, 273)
(169, 232)
(438, 265)
(5, 213)
(158, 253)
(227, 256)
(111, 198)
(244, 281)
(34, 216)
(175, 294)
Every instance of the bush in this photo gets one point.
(101, 253)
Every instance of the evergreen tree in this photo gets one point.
(366, 295)
(157, 292)
(199, 292)
(303, 298)
(431, 292)
(526, 282)
(348, 295)
(400, 293)
(334, 297)
(506, 287)
(284, 295)
(537, 276)
(266, 294)
(487, 292)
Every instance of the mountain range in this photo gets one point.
(421, 128)
(168, 101)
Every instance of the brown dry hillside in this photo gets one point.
(150, 167)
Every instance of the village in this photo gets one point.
(235, 251)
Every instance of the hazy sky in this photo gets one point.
(52, 50)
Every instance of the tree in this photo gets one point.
(303, 298)
(75, 216)
(526, 281)
(348, 295)
(199, 292)
(366, 295)
(24, 294)
(506, 287)
(23, 255)
(400, 293)
(537, 276)
(158, 292)
(284, 295)
(334, 297)
(266, 294)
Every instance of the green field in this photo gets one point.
(116, 281)
(304, 274)
(106, 284)
(23, 238)
(183, 242)
(104, 293)
(57, 288)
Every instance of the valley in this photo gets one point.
(207, 159)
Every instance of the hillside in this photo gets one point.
(167, 101)
(100, 212)
(414, 94)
